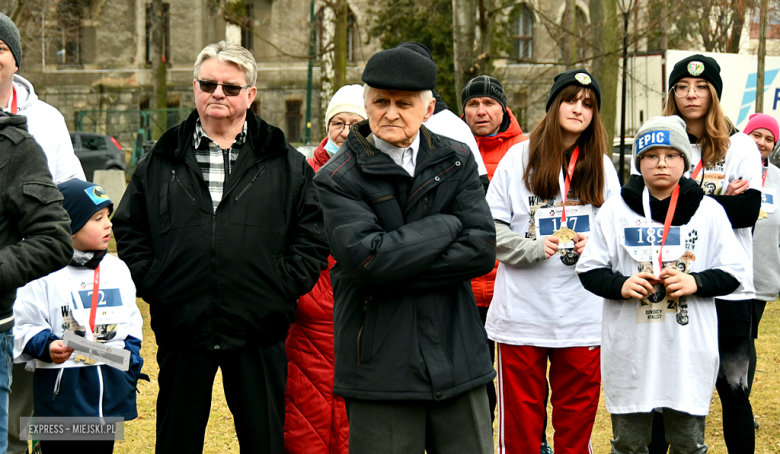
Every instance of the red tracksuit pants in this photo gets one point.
(575, 382)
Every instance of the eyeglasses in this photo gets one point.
(228, 89)
(339, 126)
(653, 160)
(682, 90)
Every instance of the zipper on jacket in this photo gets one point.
(362, 325)
(178, 181)
(246, 188)
(425, 205)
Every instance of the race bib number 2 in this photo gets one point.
(644, 242)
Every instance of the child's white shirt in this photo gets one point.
(662, 359)
(543, 304)
(61, 301)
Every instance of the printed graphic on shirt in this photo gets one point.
(654, 307)
(712, 179)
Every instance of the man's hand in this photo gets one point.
(550, 245)
(737, 187)
(678, 283)
(639, 286)
(59, 353)
(580, 241)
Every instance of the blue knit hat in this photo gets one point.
(82, 200)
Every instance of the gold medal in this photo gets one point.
(564, 235)
(762, 215)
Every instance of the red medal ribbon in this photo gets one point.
(572, 162)
(668, 224)
(14, 109)
(763, 178)
(95, 293)
(697, 170)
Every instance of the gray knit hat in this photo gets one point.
(484, 86)
(662, 132)
(10, 35)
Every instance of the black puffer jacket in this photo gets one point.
(228, 278)
(405, 322)
(35, 235)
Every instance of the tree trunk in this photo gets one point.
(484, 64)
(327, 74)
(159, 98)
(464, 14)
(736, 29)
(569, 39)
(606, 35)
(340, 44)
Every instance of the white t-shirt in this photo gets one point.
(742, 160)
(61, 301)
(652, 355)
(543, 304)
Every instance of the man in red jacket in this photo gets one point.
(496, 130)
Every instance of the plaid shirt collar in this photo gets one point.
(200, 134)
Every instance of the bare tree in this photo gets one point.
(159, 98)
(463, 32)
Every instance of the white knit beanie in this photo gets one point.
(349, 99)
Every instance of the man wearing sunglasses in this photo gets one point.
(222, 232)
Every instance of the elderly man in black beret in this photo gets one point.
(408, 225)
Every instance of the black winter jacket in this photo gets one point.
(405, 322)
(35, 237)
(230, 278)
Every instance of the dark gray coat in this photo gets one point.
(405, 322)
(30, 209)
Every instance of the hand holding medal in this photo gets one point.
(565, 234)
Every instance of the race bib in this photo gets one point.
(768, 200)
(643, 242)
(110, 313)
(548, 220)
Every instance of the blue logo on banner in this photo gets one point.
(653, 138)
(768, 198)
(97, 194)
(651, 236)
(109, 297)
(577, 223)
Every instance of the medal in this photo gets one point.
(84, 359)
(762, 215)
(565, 234)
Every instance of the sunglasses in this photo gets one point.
(228, 89)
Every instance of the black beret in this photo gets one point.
(698, 66)
(574, 77)
(400, 69)
(417, 47)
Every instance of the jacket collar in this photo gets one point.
(511, 131)
(263, 139)
(374, 161)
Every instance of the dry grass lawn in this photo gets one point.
(221, 435)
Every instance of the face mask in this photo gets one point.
(331, 147)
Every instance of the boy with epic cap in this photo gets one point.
(67, 384)
(659, 255)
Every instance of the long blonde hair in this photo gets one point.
(717, 128)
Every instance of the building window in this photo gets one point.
(293, 117)
(523, 32)
(352, 34)
(166, 33)
(70, 32)
(247, 31)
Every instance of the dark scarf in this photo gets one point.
(687, 203)
(88, 259)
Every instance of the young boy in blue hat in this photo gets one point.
(68, 384)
